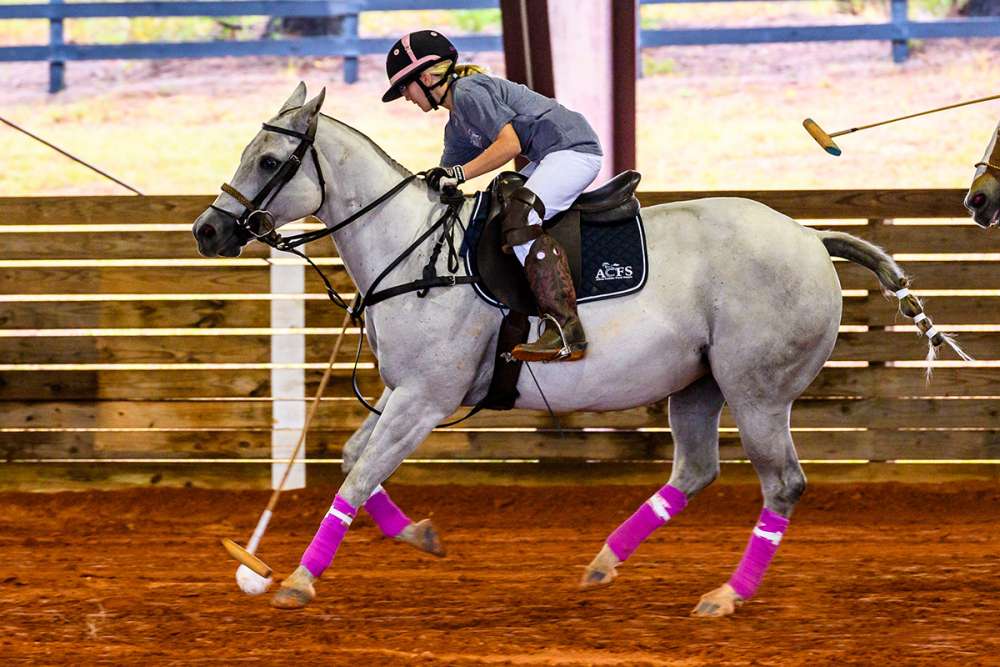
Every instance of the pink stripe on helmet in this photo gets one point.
(408, 48)
(409, 68)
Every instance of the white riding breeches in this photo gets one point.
(557, 179)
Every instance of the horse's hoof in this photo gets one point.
(293, 598)
(723, 601)
(296, 591)
(601, 571)
(423, 535)
(594, 578)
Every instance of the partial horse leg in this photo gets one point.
(389, 518)
(694, 422)
(767, 440)
(408, 418)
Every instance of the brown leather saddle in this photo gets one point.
(501, 275)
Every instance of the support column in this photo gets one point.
(584, 55)
(57, 68)
(288, 385)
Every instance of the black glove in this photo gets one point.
(439, 177)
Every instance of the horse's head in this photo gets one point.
(983, 198)
(279, 179)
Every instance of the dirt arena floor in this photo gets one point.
(868, 574)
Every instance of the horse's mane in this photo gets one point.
(403, 171)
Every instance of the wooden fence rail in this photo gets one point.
(118, 343)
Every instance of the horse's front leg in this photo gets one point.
(389, 518)
(409, 416)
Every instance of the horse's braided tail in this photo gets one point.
(894, 283)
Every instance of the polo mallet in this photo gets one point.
(253, 565)
(826, 140)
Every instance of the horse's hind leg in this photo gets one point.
(694, 422)
(389, 518)
(767, 442)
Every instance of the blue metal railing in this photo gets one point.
(898, 30)
(349, 45)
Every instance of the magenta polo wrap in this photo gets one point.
(387, 516)
(760, 550)
(662, 506)
(321, 550)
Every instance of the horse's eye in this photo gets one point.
(268, 163)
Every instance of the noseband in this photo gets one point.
(992, 163)
(255, 221)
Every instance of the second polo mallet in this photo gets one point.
(825, 139)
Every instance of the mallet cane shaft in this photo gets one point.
(825, 139)
(246, 556)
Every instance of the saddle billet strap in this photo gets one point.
(520, 235)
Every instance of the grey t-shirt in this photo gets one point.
(484, 104)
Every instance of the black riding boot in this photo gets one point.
(549, 276)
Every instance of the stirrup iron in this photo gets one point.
(565, 351)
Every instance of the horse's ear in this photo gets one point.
(309, 110)
(296, 100)
(313, 106)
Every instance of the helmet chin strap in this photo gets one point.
(446, 79)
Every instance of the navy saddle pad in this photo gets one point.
(607, 259)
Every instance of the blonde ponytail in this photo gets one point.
(468, 69)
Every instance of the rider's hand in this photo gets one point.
(441, 177)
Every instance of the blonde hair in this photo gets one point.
(441, 68)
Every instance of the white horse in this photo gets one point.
(983, 198)
(742, 306)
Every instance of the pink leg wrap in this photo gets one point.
(321, 550)
(760, 550)
(387, 516)
(662, 506)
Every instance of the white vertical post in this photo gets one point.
(581, 63)
(288, 385)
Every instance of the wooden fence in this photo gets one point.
(125, 356)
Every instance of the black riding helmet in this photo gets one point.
(411, 55)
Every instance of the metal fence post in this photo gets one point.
(57, 68)
(350, 30)
(638, 41)
(900, 19)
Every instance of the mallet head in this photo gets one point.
(821, 137)
(246, 558)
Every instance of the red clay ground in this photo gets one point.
(868, 574)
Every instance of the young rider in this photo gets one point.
(491, 122)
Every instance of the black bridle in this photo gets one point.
(255, 222)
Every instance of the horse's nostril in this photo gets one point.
(978, 200)
(206, 231)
